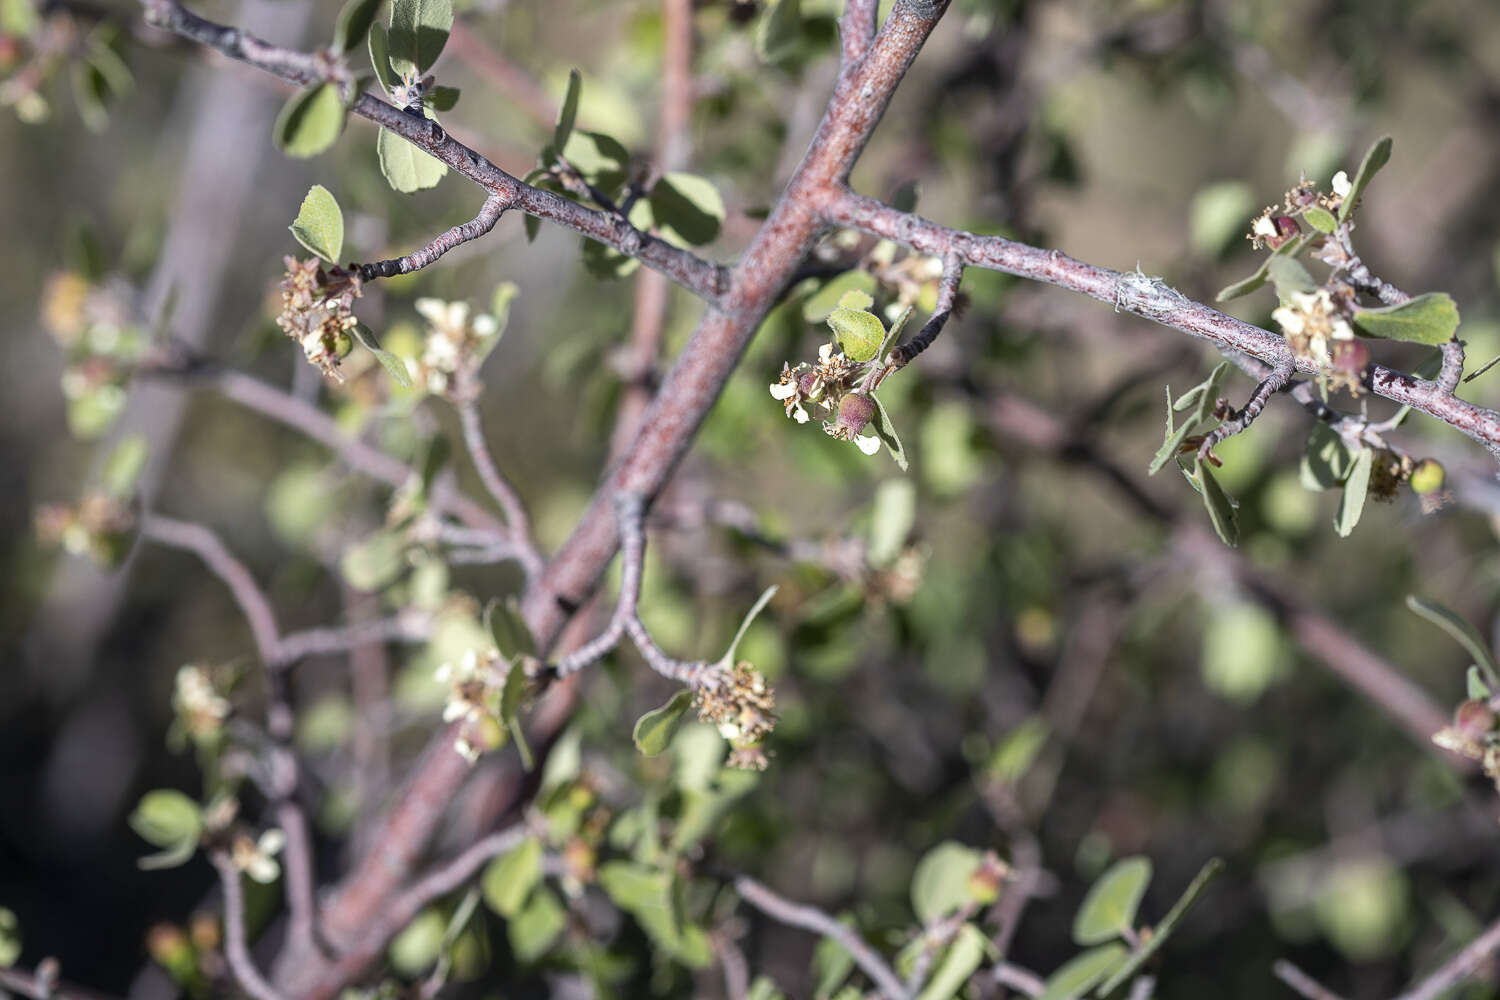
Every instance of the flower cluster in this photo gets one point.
(199, 706)
(455, 344)
(474, 699)
(257, 858)
(1473, 735)
(317, 312)
(830, 385)
(1313, 325)
(740, 703)
(99, 527)
(91, 321)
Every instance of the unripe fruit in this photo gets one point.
(1286, 228)
(486, 733)
(1351, 357)
(855, 411)
(1427, 477)
(1474, 720)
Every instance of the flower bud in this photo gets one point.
(1474, 720)
(1427, 478)
(855, 411)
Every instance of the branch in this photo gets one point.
(43, 985)
(1147, 297)
(1458, 968)
(1021, 980)
(953, 272)
(626, 618)
(1301, 982)
(489, 213)
(1274, 382)
(207, 546)
(236, 951)
(813, 919)
(516, 518)
(411, 625)
(857, 31)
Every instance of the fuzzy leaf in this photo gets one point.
(1426, 319)
(1289, 275)
(859, 333)
(959, 962)
(653, 731)
(1221, 508)
(1247, 285)
(380, 56)
(353, 24)
(1081, 974)
(1352, 504)
(319, 225)
(419, 30)
(1459, 629)
(393, 365)
(1111, 904)
(406, 168)
(886, 431)
(1320, 219)
(1163, 930)
(509, 879)
(310, 121)
(687, 208)
(1377, 157)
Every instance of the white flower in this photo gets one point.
(1341, 185)
(1264, 228)
(257, 858)
(784, 390)
(446, 317)
(867, 443)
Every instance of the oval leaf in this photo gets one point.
(1377, 157)
(380, 56)
(1163, 930)
(1462, 632)
(1222, 508)
(353, 24)
(653, 731)
(512, 636)
(167, 818)
(1077, 977)
(1110, 905)
(886, 431)
(958, 964)
(1320, 219)
(319, 225)
(1352, 504)
(419, 30)
(511, 696)
(1426, 319)
(310, 121)
(940, 885)
(407, 168)
(509, 879)
(687, 209)
(859, 333)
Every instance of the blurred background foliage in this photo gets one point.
(1030, 655)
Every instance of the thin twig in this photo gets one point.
(207, 546)
(1281, 374)
(704, 278)
(1301, 982)
(410, 626)
(1147, 297)
(453, 874)
(813, 919)
(1458, 968)
(42, 984)
(236, 949)
(516, 517)
(953, 272)
(1021, 980)
(489, 213)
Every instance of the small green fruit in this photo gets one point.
(1427, 478)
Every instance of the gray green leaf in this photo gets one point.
(310, 121)
(687, 209)
(859, 333)
(568, 113)
(419, 30)
(1377, 157)
(653, 731)
(407, 168)
(394, 366)
(1352, 504)
(1110, 906)
(353, 24)
(940, 884)
(1459, 629)
(1163, 930)
(319, 225)
(1427, 319)
(1081, 974)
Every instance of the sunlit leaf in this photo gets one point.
(1427, 319)
(393, 365)
(353, 24)
(1352, 503)
(1110, 906)
(508, 880)
(653, 731)
(310, 121)
(1377, 157)
(419, 30)
(319, 225)
(406, 168)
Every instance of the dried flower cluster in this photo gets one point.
(1313, 324)
(317, 312)
(199, 706)
(740, 703)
